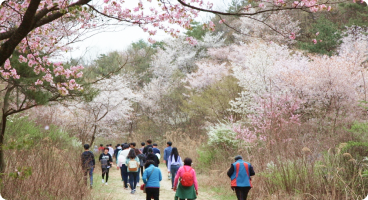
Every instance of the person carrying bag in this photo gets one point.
(151, 178)
(187, 187)
(143, 186)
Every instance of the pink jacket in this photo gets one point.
(181, 172)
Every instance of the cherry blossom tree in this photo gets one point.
(273, 114)
(175, 60)
(111, 109)
(333, 85)
(32, 89)
(180, 55)
(259, 67)
(206, 74)
(276, 27)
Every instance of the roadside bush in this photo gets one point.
(41, 163)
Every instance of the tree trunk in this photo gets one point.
(2, 134)
(3, 126)
(93, 136)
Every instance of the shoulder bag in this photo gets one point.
(143, 186)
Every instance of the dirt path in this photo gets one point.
(115, 189)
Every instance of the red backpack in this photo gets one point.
(187, 179)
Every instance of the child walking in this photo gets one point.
(106, 161)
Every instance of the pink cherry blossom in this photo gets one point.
(192, 41)
(152, 32)
(38, 82)
(7, 65)
(152, 41)
(211, 26)
(292, 36)
(295, 3)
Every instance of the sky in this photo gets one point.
(119, 40)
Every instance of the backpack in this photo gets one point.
(187, 179)
(133, 165)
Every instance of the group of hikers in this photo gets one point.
(135, 162)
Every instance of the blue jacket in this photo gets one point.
(167, 153)
(240, 173)
(154, 178)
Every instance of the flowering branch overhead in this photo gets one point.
(41, 29)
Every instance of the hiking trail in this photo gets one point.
(115, 188)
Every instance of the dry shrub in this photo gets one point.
(310, 165)
(43, 172)
(187, 146)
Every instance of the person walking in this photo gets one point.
(142, 160)
(151, 156)
(116, 151)
(142, 146)
(121, 163)
(132, 145)
(132, 163)
(151, 178)
(111, 150)
(149, 145)
(174, 162)
(240, 173)
(155, 149)
(167, 153)
(88, 164)
(101, 148)
(106, 162)
(188, 186)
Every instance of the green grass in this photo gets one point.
(222, 193)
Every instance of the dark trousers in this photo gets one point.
(105, 171)
(87, 172)
(124, 175)
(141, 168)
(133, 179)
(152, 192)
(242, 192)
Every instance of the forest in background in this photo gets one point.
(296, 109)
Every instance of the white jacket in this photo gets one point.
(111, 151)
(121, 158)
